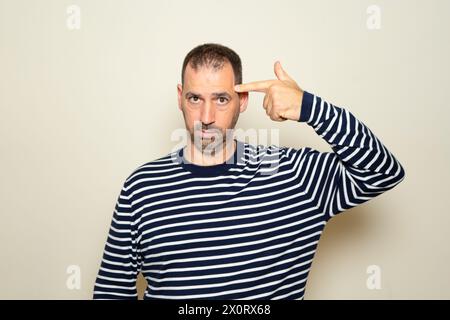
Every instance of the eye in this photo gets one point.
(226, 100)
(193, 97)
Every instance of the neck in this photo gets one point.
(195, 156)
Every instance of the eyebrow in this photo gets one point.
(214, 94)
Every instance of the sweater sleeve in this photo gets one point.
(121, 262)
(360, 166)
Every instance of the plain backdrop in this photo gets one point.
(80, 109)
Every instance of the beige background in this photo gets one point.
(80, 109)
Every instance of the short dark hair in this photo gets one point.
(213, 55)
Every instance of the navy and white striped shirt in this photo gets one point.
(247, 229)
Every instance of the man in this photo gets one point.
(238, 221)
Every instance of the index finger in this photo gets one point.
(260, 86)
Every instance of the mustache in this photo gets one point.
(206, 127)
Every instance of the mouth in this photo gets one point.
(207, 133)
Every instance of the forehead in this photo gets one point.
(206, 77)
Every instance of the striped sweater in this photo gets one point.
(243, 229)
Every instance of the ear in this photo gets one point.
(243, 101)
(180, 95)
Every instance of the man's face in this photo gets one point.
(208, 102)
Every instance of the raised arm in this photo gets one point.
(359, 169)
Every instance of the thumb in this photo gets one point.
(280, 73)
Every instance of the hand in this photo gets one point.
(283, 97)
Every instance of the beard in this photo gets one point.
(211, 143)
(208, 145)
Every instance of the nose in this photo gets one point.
(208, 113)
